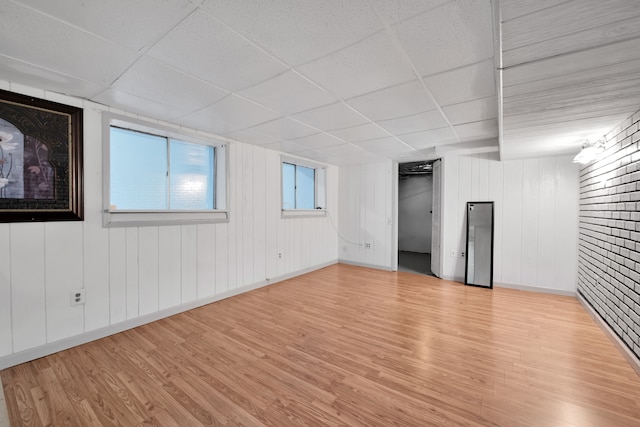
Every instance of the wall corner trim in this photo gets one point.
(364, 264)
(64, 344)
(624, 350)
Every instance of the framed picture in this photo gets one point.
(40, 160)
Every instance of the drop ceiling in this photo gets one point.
(343, 81)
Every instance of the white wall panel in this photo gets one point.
(366, 197)
(6, 336)
(28, 305)
(148, 273)
(169, 265)
(117, 291)
(133, 271)
(188, 263)
(63, 273)
(530, 213)
(536, 216)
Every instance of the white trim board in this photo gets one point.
(364, 264)
(615, 339)
(54, 347)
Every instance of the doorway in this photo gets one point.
(415, 216)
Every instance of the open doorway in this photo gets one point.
(415, 216)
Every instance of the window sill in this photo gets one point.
(303, 213)
(140, 219)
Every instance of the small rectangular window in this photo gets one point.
(158, 177)
(303, 186)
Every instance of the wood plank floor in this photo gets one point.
(343, 346)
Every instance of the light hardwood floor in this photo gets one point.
(343, 346)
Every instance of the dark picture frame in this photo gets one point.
(41, 168)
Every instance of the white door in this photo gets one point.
(435, 218)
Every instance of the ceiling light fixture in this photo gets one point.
(589, 152)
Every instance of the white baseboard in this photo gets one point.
(535, 289)
(622, 347)
(54, 347)
(364, 264)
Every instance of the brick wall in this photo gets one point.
(609, 235)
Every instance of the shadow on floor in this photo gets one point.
(413, 262)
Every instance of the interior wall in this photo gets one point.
(415, 203)
(132, 273)
(365, 199)
(536, 218)
(609, 238)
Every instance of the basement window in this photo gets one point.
(156, 176)
(303, 188)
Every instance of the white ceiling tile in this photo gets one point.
(295, 31)
(464, 84)
(510, 9)
(31, 75)
(360, 158)
(415, 123)
(316, 155)
(398, 10)
(360, 132)
(250, 137)
(285, 128)
(288, 93)
(360, 68)
(429, 138)
(38, 39)
(397, 101)
(334, 116)
(135, 104)
(472, 111)
(477, 130)
(388, 146)
(285, 146)
(237, 112)
(150, 79)
(345, 150)
(456, 34)
(203, 47)
(126, 22)
(318, 140)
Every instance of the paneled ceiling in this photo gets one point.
(343, 81)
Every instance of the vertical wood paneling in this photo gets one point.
(450, 224)
(133, 271)
(63, 248)
(475, 178)
(117, 301)
(232, 234)
(221, 261)
(27, 286)
(530, 211)
(169, 280)
(546, 223)
(189, 263)
(381, 244)
(512, 222)
(566, 237)
(239, 217)
(465, 191)
(483, 178)
(496, 193)
(148, 273)
(248, 218)
(259, 198)
(133, 282)
(205, 260)
(6, 336)
(97, 279)
(370, 210)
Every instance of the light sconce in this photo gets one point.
(589, 152)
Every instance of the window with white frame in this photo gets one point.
(303, 185)
(158, 176)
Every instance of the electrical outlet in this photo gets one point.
(367, 245)
(77, 297)
(462, 254)
(279, 255)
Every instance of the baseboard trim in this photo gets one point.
(64, 344)
(535, 289)
(624, 350)
(364, 264)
